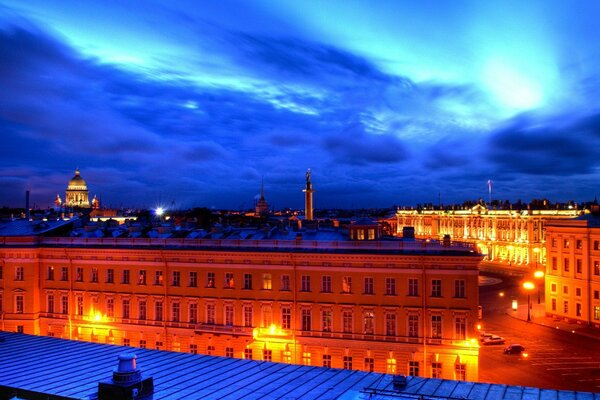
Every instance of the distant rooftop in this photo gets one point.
(24, 227)
(36, 367)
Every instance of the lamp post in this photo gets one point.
(539, 275)
(528, 286)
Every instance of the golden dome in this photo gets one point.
(77, 182)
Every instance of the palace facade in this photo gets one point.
(392, 306)
(572, 281)
(513, 238)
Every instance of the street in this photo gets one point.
(556, 358)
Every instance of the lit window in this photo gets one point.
(210, 279)
(229, 282)
(267, 282)
(306, 358)
(347, 284)
(142, 277)
(391, 365)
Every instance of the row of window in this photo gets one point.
(578, 309)
(578, 266)
(210, 313)
(326, 286)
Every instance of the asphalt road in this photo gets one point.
(556, 359)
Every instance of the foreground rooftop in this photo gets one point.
(36, 367)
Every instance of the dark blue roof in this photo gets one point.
(72, 369)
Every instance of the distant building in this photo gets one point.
(514, 238)
(77, 194)
(572, 281)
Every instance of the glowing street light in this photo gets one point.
(528, 286)
(159, 211)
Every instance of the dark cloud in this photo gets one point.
(529, 146)
(355, 147)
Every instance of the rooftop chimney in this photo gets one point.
(127, 382)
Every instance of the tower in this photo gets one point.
(308, 197)
(262, 207)
(76, 194)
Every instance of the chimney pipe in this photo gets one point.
(127, 382)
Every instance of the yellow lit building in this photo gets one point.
(389, 306)
(572, 281)
(77, 194)
(514, 238)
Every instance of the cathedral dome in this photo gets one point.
(77, 182)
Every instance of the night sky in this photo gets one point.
(191, 103)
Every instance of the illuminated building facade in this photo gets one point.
(514, 238)
(389, 306)
(572, 282)
(77, 194)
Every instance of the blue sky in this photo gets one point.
(388, 102)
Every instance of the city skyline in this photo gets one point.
(387, 104)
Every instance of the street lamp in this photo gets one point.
(528, 286)
(539, 274)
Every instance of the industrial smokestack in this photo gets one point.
(27, 213)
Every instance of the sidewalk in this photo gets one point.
(538, 316)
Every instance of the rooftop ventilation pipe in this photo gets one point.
(127, 382)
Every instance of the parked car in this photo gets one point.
(494, 339)
(484, 335)
(514, 349)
